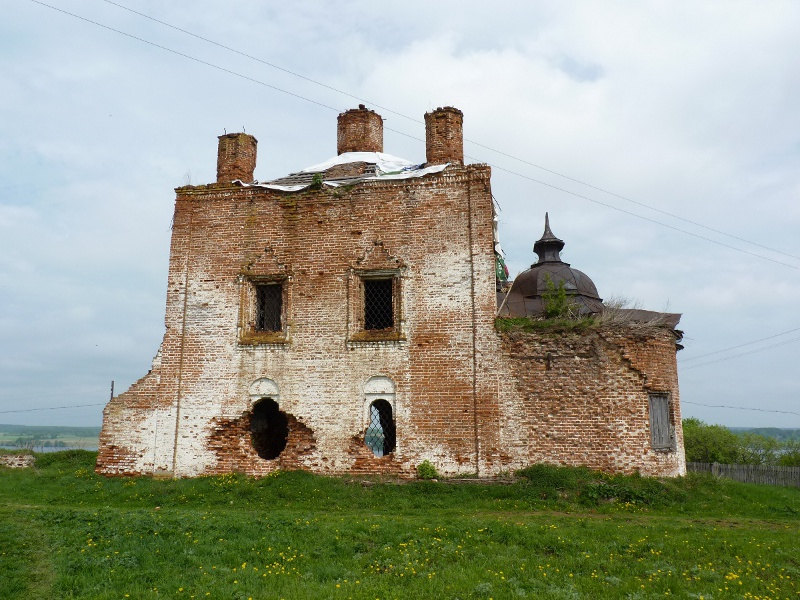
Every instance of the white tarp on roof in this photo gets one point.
(388, 167)
(386, 163)
(272, 186)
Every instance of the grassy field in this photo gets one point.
(553, 533)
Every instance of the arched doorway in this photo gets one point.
(269, 429)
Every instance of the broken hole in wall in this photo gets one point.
(269, 429)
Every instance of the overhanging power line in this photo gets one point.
(418, 121)
(512, 172)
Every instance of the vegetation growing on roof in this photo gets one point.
(532, 324)
(555, 302)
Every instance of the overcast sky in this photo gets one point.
(684, 108)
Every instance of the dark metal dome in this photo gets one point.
(525, 296)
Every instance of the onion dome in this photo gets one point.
(525, 297)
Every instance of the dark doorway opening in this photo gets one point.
(269, 429)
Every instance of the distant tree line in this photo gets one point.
(32, 442)
(48, 431)
(717, 444)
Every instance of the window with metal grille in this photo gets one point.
(378, 304)
(660, 428)
(380, 436)
(269, 304)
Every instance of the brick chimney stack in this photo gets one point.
(359, 130)
(444, 136)
(236, 158)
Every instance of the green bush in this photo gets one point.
(716, 443)
(555, 302)
(425, 470)
(592, 488)
(710, 443)
(790, 454)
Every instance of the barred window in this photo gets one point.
(380, 435)
(378, 303)
(269, 305)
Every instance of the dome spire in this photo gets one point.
(548, 247)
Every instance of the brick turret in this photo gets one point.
(236, 158)
(359, 130)
(444, 136)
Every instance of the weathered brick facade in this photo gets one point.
(462, 395)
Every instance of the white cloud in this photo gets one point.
(687, 107)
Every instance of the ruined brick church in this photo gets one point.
(344, 319)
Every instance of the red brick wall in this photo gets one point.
(434, 233)
(582, 399)
(465, 397)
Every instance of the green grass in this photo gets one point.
(15, 451)
(552, 533)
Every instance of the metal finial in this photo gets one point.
(547, 226)
(548, 246)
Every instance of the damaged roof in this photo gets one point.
(349, 168)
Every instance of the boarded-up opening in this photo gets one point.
(660, 428)
(269, 429)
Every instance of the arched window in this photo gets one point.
(379, 403)
(380, 436)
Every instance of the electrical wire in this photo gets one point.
(471, 141)
(21, 410)
(684, 360)
(642, 217)
(321, 104)
(264, 62)
(765, 410)
(724, 358)
(187, 56)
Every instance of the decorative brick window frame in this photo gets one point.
(248, 307)
(356, 331)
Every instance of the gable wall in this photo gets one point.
(436, 231)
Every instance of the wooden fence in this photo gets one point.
(772, 475)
